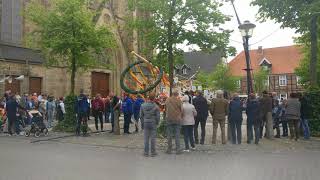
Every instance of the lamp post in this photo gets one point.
(246, 30)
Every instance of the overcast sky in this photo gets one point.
(271, 32)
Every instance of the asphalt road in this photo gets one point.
(53, 160)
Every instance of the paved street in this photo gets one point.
(104, 156)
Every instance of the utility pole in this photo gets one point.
(247, 53)
(248, 68)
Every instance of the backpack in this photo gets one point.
(59, 109)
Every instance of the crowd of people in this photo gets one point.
(14, 110)
(184, 111)
(106, 110)
(264, 115)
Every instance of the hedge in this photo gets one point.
(314, 97)
(69, 122)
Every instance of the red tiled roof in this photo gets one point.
(284, 60)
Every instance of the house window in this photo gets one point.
(282, 80)
(184, 71)
(298, 80)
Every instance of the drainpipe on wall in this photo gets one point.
(26, 79)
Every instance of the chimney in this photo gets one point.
(260, 50)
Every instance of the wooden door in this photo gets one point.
(14, 87)
(100, 84)
(35, 84)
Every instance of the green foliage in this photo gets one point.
(290, 13)
(313, 96)
(294, 14)
(203, 79)
(220, 78)
(67, 35)
(260, 80)
(69, 122)
(161, 60)
(303, 71)
(194, 22)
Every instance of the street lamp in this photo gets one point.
(246, 30)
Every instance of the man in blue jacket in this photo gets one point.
(235, 118)
(127, 110)
(136, 110)
(253, 119)
(82, 106)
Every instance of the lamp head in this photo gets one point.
(246, 29)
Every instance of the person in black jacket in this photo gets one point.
(11, 109)
(235, 118)
(201, 105)
(189, 94)
(82, 106)
(253, 119)
(276, 112)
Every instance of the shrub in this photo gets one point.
(69, 122)
(314, 97)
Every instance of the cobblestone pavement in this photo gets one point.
(135, 141)
(62, 156)
(80, 159)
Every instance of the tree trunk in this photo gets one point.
(116, 122)
(314, 51)
(135, 36)
(170, 44)
(73, 74)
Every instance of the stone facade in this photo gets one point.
(56, 80)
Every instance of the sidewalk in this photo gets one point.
(135, 141)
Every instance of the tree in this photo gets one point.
(169, 23)
(297, 14)
(220, 78)
(203, 79)
(303, 71)
(260, 79)
(67, 35)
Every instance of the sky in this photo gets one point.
(267, 34)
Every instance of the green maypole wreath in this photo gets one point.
(143, 91)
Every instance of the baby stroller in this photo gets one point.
(37, 125)
(21, 120)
